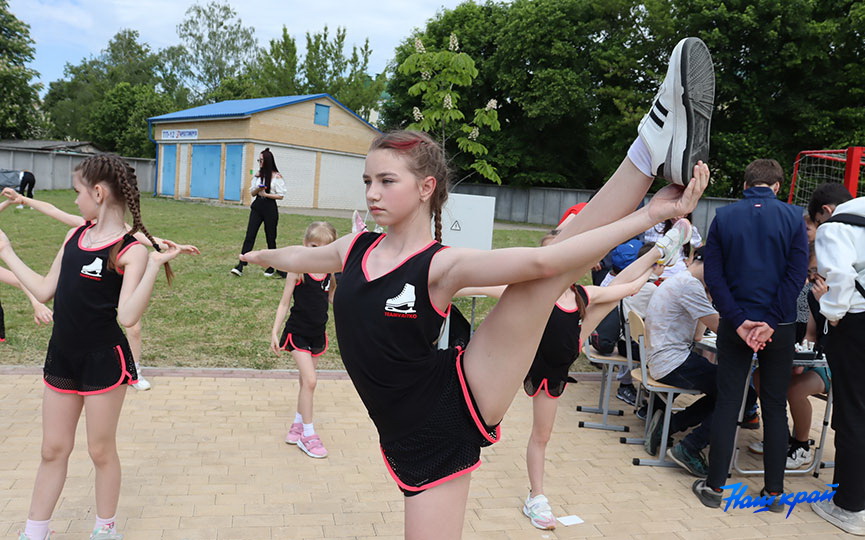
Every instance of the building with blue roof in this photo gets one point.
(209, 152)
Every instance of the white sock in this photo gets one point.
(639, 155)
(101, 523)
(36, 530)
(308, 430)
(298, 419)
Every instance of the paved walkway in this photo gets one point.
(203, 458)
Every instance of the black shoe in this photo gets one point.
(237, 270)
(627, 393)
(269, 271)
(281, 274)
(751, 422)
(775, 505)
(688, 460)
(708, 496)
(642, 412)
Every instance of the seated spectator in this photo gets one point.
(672, 317)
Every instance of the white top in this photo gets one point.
(841, 259)
(671, 321)
(639, 303)
(277, 185)
(655, 233)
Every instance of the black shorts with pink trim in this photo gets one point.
(316, 346)
(89, 372)
(554, 387)
(448, 444)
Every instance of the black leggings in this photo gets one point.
(2, 324)
(28, 182)
(261, 211)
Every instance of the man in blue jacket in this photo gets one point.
(756, 260)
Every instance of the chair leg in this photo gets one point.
(604, 404)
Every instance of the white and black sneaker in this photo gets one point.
(676, 128)
(237, 270)
(269, 272)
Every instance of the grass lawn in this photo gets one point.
(208, 318)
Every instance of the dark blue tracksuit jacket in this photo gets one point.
(756, 259)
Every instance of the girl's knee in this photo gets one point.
(309, 382)
(539, 439)
(56, 450)
(102, 452)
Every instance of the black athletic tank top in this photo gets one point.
(387, 329)
(85, 303)
(308, 315)
(560, 344)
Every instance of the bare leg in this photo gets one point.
(802, 386)
(103, 414)
(438, 513)
(543, 418)
(60, 414)
(306, 366)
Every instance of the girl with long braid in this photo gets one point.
(100, 277)
(133, 333)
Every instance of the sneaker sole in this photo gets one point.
(707, 503)
(682, 464)
(535, 524)
(846, 527)
(697, 85)
(236, 272)
(307, 452)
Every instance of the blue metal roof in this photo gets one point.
(244, 107)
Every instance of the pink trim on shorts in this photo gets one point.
(373, 246)
(314, 355)
(424, 487)
(468, 399)
(123, 374)
(545, 384)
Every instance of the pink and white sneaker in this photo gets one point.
(294, 433)
(312, 446)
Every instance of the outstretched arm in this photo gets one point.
(41, 313)
(492, 292)
(42, 288)
(46, 208)
(299, 260)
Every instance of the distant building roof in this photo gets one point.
(238, 108)
(81, 147)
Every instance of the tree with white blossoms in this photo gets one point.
(441, 72)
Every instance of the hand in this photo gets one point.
(253, 257)
(162, 257)
(834, 323)
(42, 314)
(744, 333)
(759, 336)
(12, 195)
(820, 288)
(673, 200)
(274, 344)
(597, 267)
(186, 249)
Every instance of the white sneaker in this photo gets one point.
(676, 128)
(19, 207)
(756, 447)
(105, 533)
(142, 384)
(847, 521)
(538, 510)
(670, 244)
(798, 458)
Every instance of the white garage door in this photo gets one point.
(341, 182)
(183, 165)
(298, 169)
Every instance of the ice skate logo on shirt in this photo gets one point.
(401, 305)
(93, 270)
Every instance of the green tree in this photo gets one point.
(116, 122)
(18, 96)
(441, 72)
(326, 68)
(217, 45)
(275, 70)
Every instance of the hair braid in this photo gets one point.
(437, 218)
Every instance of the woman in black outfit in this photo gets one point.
(267, 188)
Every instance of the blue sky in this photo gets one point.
(70, 30)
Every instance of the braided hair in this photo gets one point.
(425, 158)
(120, 179)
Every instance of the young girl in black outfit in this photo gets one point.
(434, 409)
(304, 335)
(100, 276)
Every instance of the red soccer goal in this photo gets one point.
(815, 167)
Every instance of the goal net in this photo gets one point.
(814, 167)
